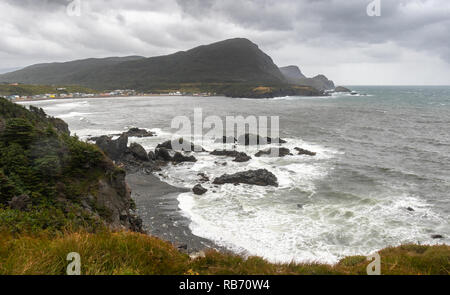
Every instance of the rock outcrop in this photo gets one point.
(238, 156)
(136, 132)
(275, 152)
(255, 139)
(181, 145)
(199, 190)
(115, 149)
(342, 89)
(180, 158)
(261, 177)
(305, 152)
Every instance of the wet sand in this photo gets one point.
(157, 205)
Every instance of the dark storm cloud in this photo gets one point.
(310, 32)
(421, 25)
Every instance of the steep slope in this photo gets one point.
(319, 82)
(62, 180)
(71, 73)
(230, 61)
(292, 74)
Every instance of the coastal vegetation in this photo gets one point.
(234, 68)
(30, 90)
(60, 195)
(127, 253)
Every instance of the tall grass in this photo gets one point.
(126, 253)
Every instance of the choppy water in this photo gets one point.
(377, 155)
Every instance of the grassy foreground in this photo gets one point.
(127, 253)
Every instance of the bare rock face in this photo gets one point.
(136, 132)
(199, 190)
(180, 158)
(239, 156)
(278, 152)
(255, 139)
(181, 145)
(242, 157)
(162, 154)
(114, 197)
(115, 149)
(138, 152)
(261, 177)
(305, 152)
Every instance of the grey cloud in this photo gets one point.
(40, 30)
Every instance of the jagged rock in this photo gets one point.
(242, 157)
(277, 152)
(253, 139)
(437, 237)
(199, 190)
(224, 153)
(162, 154)
(203, 177)
(260, 177)
(342, 89)
(115, 149)
(138, 151)
(184, 146)
(22, 203)
(136, 132)
(151, 155)
(305, 152)
(180, 158)
(239, 156)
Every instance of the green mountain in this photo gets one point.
(66, 73)
(229, 61)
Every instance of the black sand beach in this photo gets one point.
(157, 205)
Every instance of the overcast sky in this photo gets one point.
(408, 44)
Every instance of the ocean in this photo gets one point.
(381, 176)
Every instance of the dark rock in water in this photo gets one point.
(162, 154)
(224, 153)
(115, 149)
(181, 145)
(342, 89)
(199, 190)
(410, 209)
(203, 177)
(239, 156)
(242, 157)
(260, 177)
(305, 152)
(138, 151)
(437, 237)
(22, 203)
(136, 132)
(253, 139)
(180, 158)
(276, 152)
(151, 155)
(226, 139)
(221, 163)
(300, 206)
